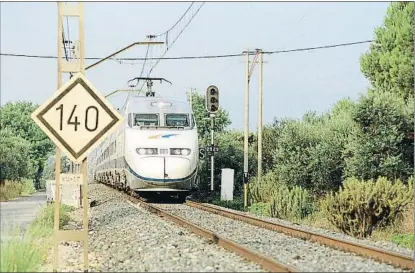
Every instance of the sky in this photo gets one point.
(293, 83)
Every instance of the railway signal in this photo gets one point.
(212, 99)
(77, 117)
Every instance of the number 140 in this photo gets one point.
(75, 122)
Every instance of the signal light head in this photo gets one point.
(212, 99)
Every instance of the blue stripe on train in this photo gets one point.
(158, 179)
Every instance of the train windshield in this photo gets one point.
(177, 120)
(146, 120)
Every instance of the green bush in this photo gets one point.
(10, 190)
(291, 204)
(44, 222)
(236, 204)
(381, 146)
(14, 154)
(404, 240)
(309, 152)
(260, 209)
(262, 192)
(363, 205)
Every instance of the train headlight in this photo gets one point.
(180, 151)
(146, 151)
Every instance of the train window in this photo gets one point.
(177, 120)
(146, 120)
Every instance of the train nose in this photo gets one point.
(163, 167)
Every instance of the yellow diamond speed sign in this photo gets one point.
(77, 117)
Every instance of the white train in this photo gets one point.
(155, 150)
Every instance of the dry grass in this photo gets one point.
(13, 189)
(401, 232)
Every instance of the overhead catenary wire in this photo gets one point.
(141, 73)
(177, 22)
(199, 57)
(64, 45)
(169, 45)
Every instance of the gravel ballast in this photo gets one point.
(378, 244)
(306, 256)
(125, 238)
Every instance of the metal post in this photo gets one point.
(246, 122)
(84, 165)
(58, 153)
(212, 158)
(260, 118)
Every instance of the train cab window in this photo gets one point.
(146, 120)
(177, 120)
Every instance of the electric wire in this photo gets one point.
(198, 57)
(164, 33)
(175, 39)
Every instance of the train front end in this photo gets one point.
(162, 148)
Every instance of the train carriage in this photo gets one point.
(155, 150)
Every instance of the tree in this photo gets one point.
(16, 117)
(14, 152)
(309, 152)
(230, 155)
(381, 146)
(203, 124)
(389, 64)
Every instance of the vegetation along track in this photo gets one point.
(303, 254)
(381, 255)
(264, 261)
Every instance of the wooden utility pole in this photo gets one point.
(260, 117)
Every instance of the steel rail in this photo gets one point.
(378, 254)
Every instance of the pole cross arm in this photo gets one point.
(121, 50)
(123, 90)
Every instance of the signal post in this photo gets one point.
(76, 118)
(212, 106)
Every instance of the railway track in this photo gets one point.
(270, 260)
(381, 255)
(263, 260)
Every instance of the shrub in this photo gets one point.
(360, 205)
(14, 154)
(261, 209)
(236, 204)
(46, 217)
(404, 240)
(295, 203)
(381, 146)
(262, 192)
(10, 190)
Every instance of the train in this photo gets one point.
(154, 151)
